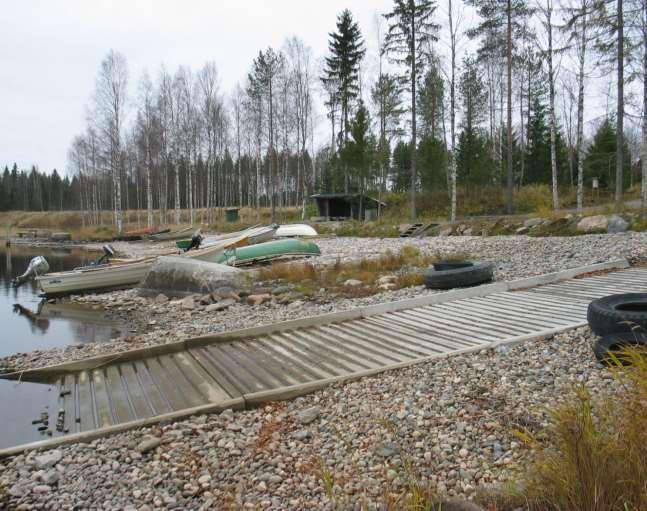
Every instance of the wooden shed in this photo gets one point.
(342, 206)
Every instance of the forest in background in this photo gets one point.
(500, 100)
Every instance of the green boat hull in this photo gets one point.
(183, 244)
(267, 251)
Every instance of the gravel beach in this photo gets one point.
(447, 424)
(156, 321)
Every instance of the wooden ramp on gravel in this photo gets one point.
(247, 367)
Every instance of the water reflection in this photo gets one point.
(30, 323)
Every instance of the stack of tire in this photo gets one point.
(619, 321)
(454, 273)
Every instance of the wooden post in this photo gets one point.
(8, 236)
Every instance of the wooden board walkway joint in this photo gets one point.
(248, 367)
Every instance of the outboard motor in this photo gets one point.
(108, 252)
(37, 266)
(196, 240)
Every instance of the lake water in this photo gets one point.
(30, 323)
(27, 323)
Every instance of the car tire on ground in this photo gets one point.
(452, 264)
(477, 273)
(612, 344)
(618, 313)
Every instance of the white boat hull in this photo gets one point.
(294, 230)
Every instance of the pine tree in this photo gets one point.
(601, 157)
(411, 33)
(500, 21)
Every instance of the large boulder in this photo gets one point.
(617, 224)
(179, 276)
(597, 223)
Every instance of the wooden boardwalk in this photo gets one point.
(247, 367)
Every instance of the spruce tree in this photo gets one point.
(341, 71)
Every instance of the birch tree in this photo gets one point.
(109, 107)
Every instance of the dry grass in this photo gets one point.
(593, 456)
(404, 268)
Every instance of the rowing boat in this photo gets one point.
(294, 231)
(172, 235)
(117, 273)
(271, 250)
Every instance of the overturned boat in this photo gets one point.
(252, 236)
(170, 235)
(295, 231)
(269, 251)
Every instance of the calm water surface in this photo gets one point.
(27, 323)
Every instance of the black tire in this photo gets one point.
(478, 273)
(618, 313)
(452, 264)
(612, 344)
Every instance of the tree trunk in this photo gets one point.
(452, 116)
(414, 151)
(551, 86)
(620, 110)
(643, 146)
(510, 206)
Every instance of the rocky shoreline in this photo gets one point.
(447, 425)
(160, 320)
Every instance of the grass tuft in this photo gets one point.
(593, 455)
(404, 268)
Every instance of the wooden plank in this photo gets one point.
(375, 328)
(457, 313)
(200, 378)
(141, 406)
(392, 349)
(220, 374)
(279, 366)
(523, 317)
(404, 329)
(458, 329)
(543, 308)
(166, 384)
(255, 361)
(101, 400)
(152, 393)
(340, 351)
(300, 364)
(86, 403)
(427, 323)
(331, 357)
(380, 356)
(120, 401)
(307, 354)
(247, 379)
(514, 327)
(175, 376)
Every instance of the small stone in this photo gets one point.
(387, 449)
(262, 487)
(148, 444)
(301, 435)
(42, 488)
(281, 290)
(353, 283)
(463, 453)
(220, 305)
(617, 224)
(228, 413)
(309, 415)
(187, 303)
(161, 298)
(258, 299)
(205, 479)
(49, 459)
(296, 304)
(50, 477)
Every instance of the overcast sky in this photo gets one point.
(51, 51)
